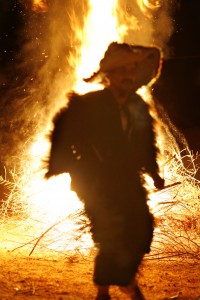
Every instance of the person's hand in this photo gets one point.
(158, 182)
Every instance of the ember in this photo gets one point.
(40, 5)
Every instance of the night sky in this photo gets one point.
(179, 85)
(178, 88)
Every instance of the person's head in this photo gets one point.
(127, 67)
(122, 79)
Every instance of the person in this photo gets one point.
(104, 139)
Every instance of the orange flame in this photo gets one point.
(149, 4)
(40, 5)
(99, 31)
(106, 22)
(103, 25)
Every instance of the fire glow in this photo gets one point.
(49, 204)
(100, 29)
(40, 5)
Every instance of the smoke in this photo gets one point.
(147, 22)
(41, 74)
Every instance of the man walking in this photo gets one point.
(105, 139)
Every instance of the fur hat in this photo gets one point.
(118, 55)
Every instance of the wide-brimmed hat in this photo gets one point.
(117, 55)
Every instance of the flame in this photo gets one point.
(149, 4)
(100, 30)
(54, 196)
(40, 5)
(52, 201)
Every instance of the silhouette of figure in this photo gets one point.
(105, 139)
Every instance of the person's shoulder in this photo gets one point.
(75, 97)
(72, 104)
(138, 101)
(140, 109)
(60, 116)
(95, 95)
(77, 103)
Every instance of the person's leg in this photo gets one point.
(138, 294)
(133, 291)
(103, 292)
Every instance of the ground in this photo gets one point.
(46, 276)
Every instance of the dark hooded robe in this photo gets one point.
(105, 163)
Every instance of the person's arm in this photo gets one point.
(152, 165)
(61, 157)
(152, 151)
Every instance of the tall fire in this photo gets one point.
(72, 38)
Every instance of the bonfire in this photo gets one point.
(41, 215)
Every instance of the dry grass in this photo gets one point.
(176, 211)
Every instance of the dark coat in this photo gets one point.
(105, 164)
(88, 134)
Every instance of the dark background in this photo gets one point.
(179, 84)
(178, 88)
